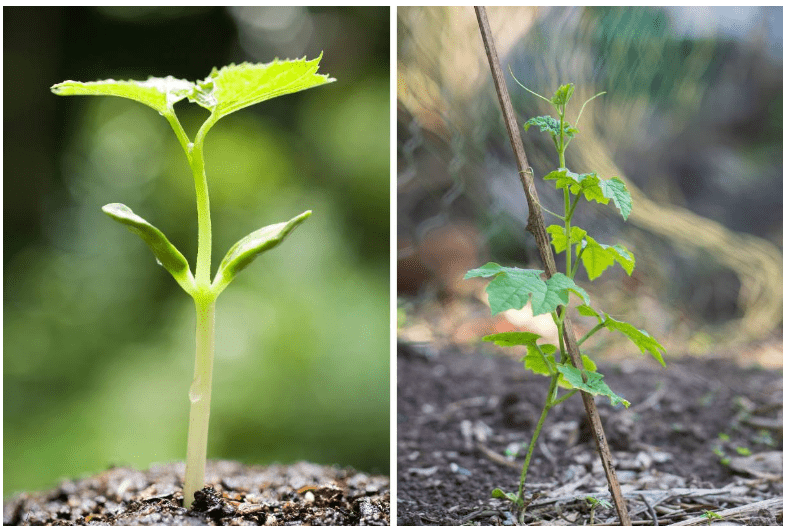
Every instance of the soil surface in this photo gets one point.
(701, 435)
(299, 494)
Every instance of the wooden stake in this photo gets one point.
(537, 227)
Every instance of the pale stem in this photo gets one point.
(199, 395)
(205, 243)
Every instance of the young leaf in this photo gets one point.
(615, 189)
(594, 384)
(586, 183)
(534, 361)
(562, 95)
(511, 288)
(508, 339)
(546, 124)
(559, 239)
(248, 248)
(551, 125)
(595, 258)
(166, 254)
(237, 86)
(499, 493)
(645, 342)
(160, 93)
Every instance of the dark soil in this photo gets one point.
(300, 494)
(698, 425)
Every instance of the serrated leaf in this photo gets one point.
(615, 189)
(237, 86)
(594, 385)
(508, 339)
(563, 94)
(585, 183)
(511, 288)
(165, 252)
(560, 241)
(487, 270)
(249, 247)
(160, 93)
(645, 342)
(546, 124)
(535, 363)
(551, 125)
(597, 257)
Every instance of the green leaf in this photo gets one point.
(248, 248)
(645, 342)
(546, 124)
(615, 190)
(597, 257)
(534, 361)
(237, 86)
(511, 288)
(551, 125)
(563, 95)
(499, 493)
(508, 339)
(560, 241)
(160, 93)
(586, 183)
(165, 252)
(488, 270)
(594, 384)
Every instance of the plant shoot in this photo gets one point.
(512, 288)
(224, 91)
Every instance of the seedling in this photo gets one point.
(594, 503)
(512, 288)
(224, 91)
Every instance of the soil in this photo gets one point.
(700, 435)
(299, 494)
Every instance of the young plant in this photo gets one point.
(224, 91)
(512, 288)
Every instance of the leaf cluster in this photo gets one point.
(224, 91)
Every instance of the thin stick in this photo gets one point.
(536, 226)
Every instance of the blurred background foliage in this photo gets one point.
(99, 341)
(692, 121)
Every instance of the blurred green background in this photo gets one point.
(98, 340)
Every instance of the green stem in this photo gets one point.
(564, 397)
(205, 244)
(199, 395)
(591, 332)
(531, 449)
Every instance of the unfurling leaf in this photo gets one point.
(166, 254)
(249, 247)
(563, 95)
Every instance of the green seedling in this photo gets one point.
(711, 516)
(512, 288)
(223, 91)
(594, 503)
